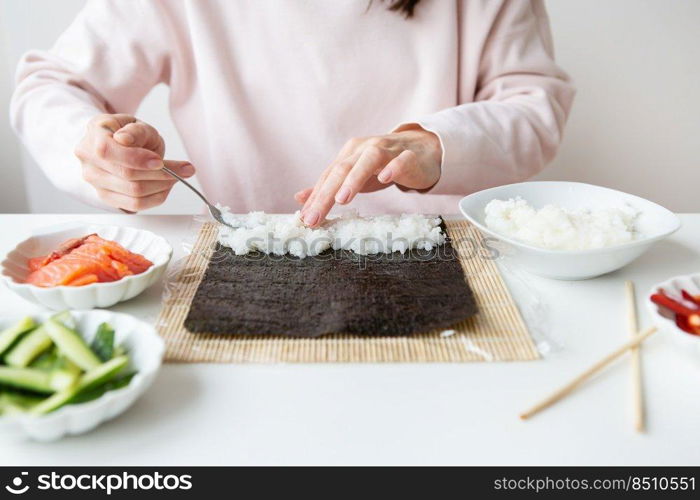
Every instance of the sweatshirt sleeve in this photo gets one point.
(107, 60)
(521, 101)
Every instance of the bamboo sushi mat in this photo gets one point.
(496, 333)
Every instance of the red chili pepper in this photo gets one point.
(694, 323)
(664, 300)
(682, 323)
(689, 324)
(695, 299)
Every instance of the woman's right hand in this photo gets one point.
(122, 158)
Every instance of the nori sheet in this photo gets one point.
(335, 292)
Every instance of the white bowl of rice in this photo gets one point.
(567, 230)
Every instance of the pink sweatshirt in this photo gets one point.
(265, 92)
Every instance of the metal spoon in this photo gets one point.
(215, 212)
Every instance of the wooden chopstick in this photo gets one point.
(635, 352)
(595, 368)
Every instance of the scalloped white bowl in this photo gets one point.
(654, 223)
(665, 321)
(145, 349)
(14, 270)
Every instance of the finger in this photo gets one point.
(325, 195)
(183, 169)
(129, 203)
(102, 179)
(368, 165)
(314, 191)
(402, 170)
(112, 123)
(107, 153)
(373, 185)
(180, 167)
(103, 147)
(347, 151)
(141, 135)
(349, 148)
(303, 195)
(324, 178)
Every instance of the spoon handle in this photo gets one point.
(194, 190)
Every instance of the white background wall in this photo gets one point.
(635, 124)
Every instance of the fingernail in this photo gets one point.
(311, 218)
(187, 170)
(384, 176)
(155, 164)
(342, 195)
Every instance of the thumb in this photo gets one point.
(406, 172)
(182, 168)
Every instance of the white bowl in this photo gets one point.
(653, 224)
(145, 350)
(665, 321)
(14, 268)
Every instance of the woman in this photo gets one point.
(305, 100)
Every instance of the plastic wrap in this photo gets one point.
(534, 312)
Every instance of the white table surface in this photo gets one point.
(404, 413)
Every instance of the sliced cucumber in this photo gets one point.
(71, 344)
(103, 373)
(103, 343)
(65, 374)
(98, 391)
(10, 335)
(9, 407)
(26, 378)
(95, 377)
(21, 398)
(28, 348)
(16, 402)
(56, 401)
(47, 361)
(66, 318)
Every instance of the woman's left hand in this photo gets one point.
(410, 158)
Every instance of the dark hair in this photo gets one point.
(405, 7)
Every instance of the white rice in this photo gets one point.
(558, 228)
(286, 234)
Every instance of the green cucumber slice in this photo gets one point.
(35, 343)
(98, 391)
(54, 402)
(26, 378)
(28, 348)
(9, 407)
(71, 345)
(66, 318)
(65, 374)
(10, 335)
(16, 402)
(95, 377)
(103, 373)
(103, 343)
(47, 361)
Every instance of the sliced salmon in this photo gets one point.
(84, 280)
(136, 263)
(82, 261)
(63, 249)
